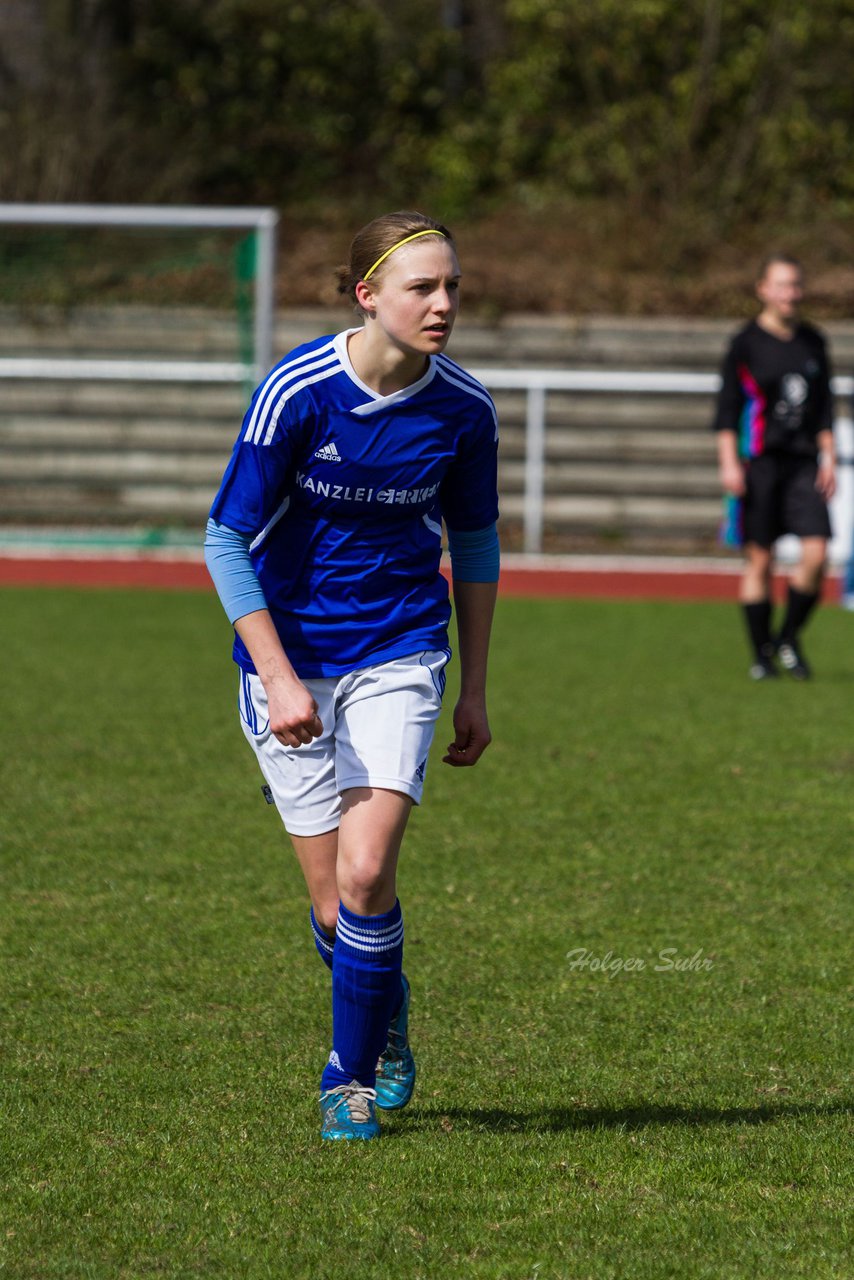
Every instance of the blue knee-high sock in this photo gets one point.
(366, 969)
(324, 942)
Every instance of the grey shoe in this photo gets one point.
(793, 661)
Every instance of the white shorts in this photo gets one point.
(378, 724)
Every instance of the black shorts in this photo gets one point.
(782, 498)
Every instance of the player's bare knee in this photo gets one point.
(326, 915)
(367, 885)
(814, 560)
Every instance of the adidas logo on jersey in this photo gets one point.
(328, 453)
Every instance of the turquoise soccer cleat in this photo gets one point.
(396, 1067)
(347, 1112)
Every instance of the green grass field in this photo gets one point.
(165, 1016)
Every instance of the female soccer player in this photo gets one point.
(775, 448)
(324, 544)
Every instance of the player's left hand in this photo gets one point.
(826, 480)
(471, 733)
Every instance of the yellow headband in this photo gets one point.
(406, 240)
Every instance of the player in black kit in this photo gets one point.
(775, 449)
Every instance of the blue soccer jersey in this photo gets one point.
(343, 492)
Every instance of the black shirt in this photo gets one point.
(775, 394)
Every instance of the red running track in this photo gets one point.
(685, 580)
(689, 583)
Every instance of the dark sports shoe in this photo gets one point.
(793, 661)
(764, 669)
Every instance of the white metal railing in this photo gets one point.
(89, 369)
(536, 383)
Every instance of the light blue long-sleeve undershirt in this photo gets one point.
(475, 557)
(231, 569)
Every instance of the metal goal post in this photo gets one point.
(262, 221)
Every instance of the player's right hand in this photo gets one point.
(293, 715)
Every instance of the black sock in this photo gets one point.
(800, 606)
(757, 615)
